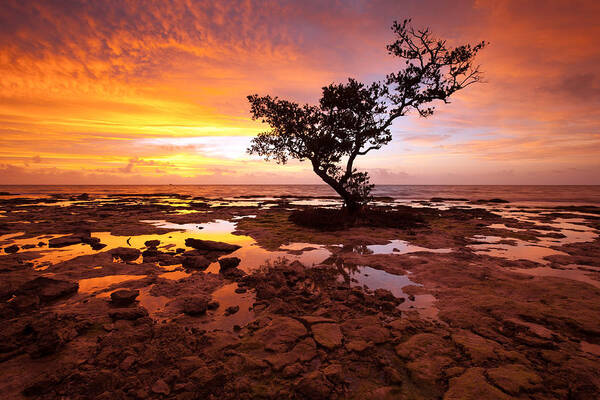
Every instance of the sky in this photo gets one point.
(154, 92)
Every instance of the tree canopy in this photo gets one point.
(354, 118)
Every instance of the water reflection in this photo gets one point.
(401, 247)
(570, 273)
(227, 297)
(373, 279)
(517, 249)
(92, 285)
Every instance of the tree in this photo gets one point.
(353, 118)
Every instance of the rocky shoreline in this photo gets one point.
(139, 297)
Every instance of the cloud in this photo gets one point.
(425, 139)
(110, 85)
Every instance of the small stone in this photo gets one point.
(210, 245)
(232, 310)
(127, 363)
(314, 385)
(229, 263)
(152, 243)
(124, 297)
(65, 241)
(195, 262)
(125, 253)
(334, 373)
(195, 305)
(292, 370)
(357, 345)
(241, 290)
(213, 305)
(161, 387)
(11, 249)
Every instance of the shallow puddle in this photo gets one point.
(571, 273)
(92, 285)
(153, 304)
(401, 247)
(375, 279)
(521, 250)
(175, 275)
(227, 297)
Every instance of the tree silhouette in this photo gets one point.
(353, 118)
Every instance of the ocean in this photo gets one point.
(527, 194)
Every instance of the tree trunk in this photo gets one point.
(350, 203)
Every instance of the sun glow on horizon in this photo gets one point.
(157, 93)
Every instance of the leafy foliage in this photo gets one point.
(353, 118)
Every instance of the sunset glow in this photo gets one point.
(112, 92)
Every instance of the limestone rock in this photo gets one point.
(472, 386)
(195, 262)
(209, 245)
(229, 263)
(327, 335)
(161, 387)
(195, 305)
(48, 289)
(281, 333)
(125, 253)
(124, 297)
(514, 378)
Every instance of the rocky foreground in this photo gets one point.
(290, 329)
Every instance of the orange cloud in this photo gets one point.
(110, 89)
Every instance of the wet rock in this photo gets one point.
(161, 387)
(367, 328)
(25, 302)
(306, 349)
(233, 273)
(514, 378)
(129, 314)
(65, 241)
(47, 342)
(209, 245)
(97, 246)
(357, 345)
(334, 373)
(124, 297)
(11, 249)
(229, 263)
(195, 305)
(48, 289)
(314, 385)
(327, 335)
(427, 355)
(280, 333)
(472, 386)
(195, 262)
(292, 370)
(126, 254)
(384, 295)
(232, 310)
(313, 319)
(127, 363)
(478, 348)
